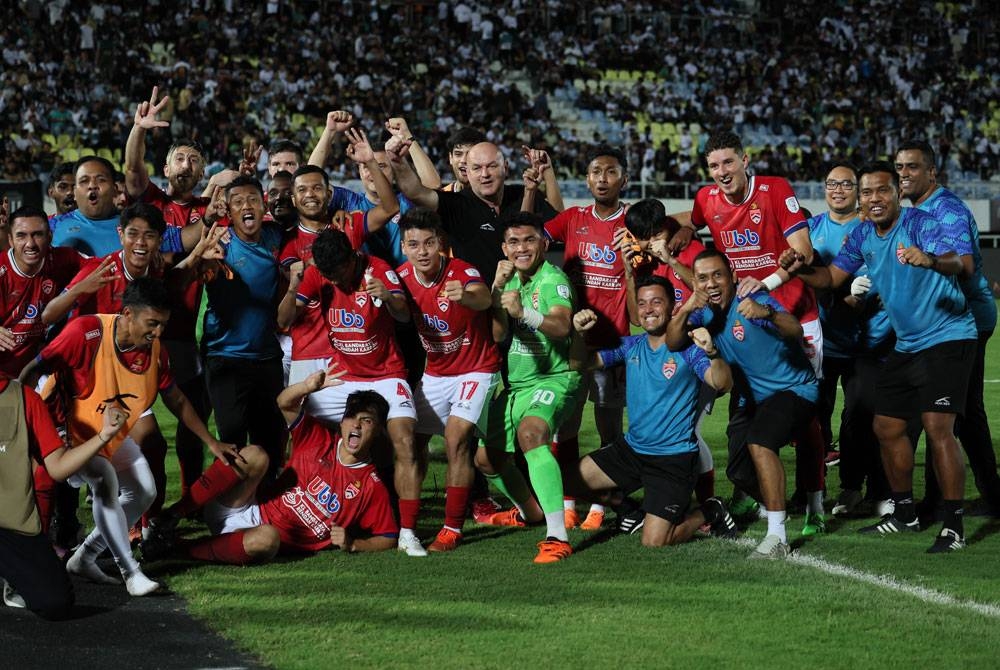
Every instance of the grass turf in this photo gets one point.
(613, 602)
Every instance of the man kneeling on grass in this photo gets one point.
(327, 493)
(659, 452)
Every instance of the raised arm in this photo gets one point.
(540, 160)
(677, 335)
(816, 276)
(360, 151)
(474, 295)
(583, 321)
(64, 462)
(291, 398)
(291, 306)
(136, 178)
(406, 179)
(786, 324)
(62, 304)
(336, 122)
(718, 375)
(422, 163)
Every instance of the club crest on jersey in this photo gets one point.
(899, 253)
(442, 301)
(352, 491)
(669, 368)
(755, 214)
(361, 299)
(48, 287)
(738, 331)
(534, 299)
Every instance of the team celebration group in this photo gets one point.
(342, 330)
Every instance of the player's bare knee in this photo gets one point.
(256, 463)
(888, 428)
(488, 464)
(262, 543)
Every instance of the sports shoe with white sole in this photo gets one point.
(947, 540)
(771, 548)
(632, 521)
(410, 543)
(847, 501)
(890, 524)
(12, 598)
(81, 566)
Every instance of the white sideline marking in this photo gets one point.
(887, 582)
(991, 381)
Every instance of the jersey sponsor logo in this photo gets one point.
(764, 188)
(747, 263)
(391, 276)
(563, 291)
(944, 401)
(589, 251)
(403, 392)
(472, 272)
(487, 226)
(755, 214)
(439, 347)
(678, 295)
(325, 497)
(592, 280)
(792, 204)
(738, 331)
(92, 334)
(899, 253)
(30, 312)
(669, 368)
(583, 230)
(341, 318)
(355, 347)
(436, 323)
(740, 239)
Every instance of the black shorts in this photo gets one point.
(668, 480)
(932, 380)
(777, 419)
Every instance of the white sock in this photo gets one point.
(597, 508)
(776, 524)
(407, 531)
(454, 530)
(814, 502)
(555, 523)
(569, 503)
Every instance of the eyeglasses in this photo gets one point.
(847, 185)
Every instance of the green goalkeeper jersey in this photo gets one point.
(532, 353)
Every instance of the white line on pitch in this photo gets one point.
(991, 381)
(887, 582)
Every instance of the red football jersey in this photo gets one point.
(595, 268)
(752, 234)
(360, 328)
(186, 298)
(687, 255)
(74, 349)
(23, 299)
(458, 340)
(108, 298)
(326, 493)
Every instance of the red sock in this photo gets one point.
(225, 548)
(810, 466)
(218, 479)
(155, 451)
(704, 488)
(408, 512)
(455, 500)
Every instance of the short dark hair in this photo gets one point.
(724, 139)
(655, 280)
(611, 152)
(712, 253)
(331, 250)
(282, 174)
(309, 169)
(419, 218)
(146, 292)
(143, 210)
(58, 171)
(28, 212)
(923, 147)
(523, 219)
(187, 142)
(283, 145)
(95, 159)
(645, 218)
(464, 135)
(360, 401)
(244, 180)
(879, 166)
(847, 165)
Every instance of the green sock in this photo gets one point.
(510, 482)
(543, 469)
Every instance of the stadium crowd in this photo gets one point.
(798, 82)
(343, 329)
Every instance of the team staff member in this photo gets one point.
(913, 262)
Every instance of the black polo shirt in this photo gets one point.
(475, 230)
